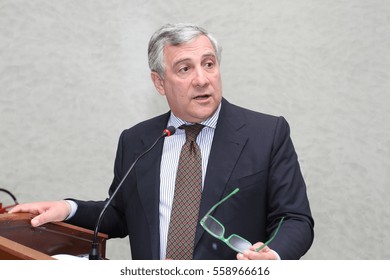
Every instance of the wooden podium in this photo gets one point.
(20, 241)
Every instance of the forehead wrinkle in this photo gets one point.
(186, 59)
(181, 61)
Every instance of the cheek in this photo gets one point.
(216, 81)
(177, 98)
(182, 91)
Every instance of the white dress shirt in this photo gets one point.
(170, 161)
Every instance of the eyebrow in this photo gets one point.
(206, 55)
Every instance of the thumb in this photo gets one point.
(39, 220)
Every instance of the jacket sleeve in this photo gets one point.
(288, 198)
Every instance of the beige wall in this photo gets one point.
(73, 75)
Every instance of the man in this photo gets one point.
(239, 149)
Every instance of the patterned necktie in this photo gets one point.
(186, 200)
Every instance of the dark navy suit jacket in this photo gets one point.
(250, 150)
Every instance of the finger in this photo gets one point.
(30, 208)
(40, 219)
(241, 256)
(45, 217)
(14, 209)
(24, 208)
(265, 254)
(256, 247)
(257, 244)
(253, 255)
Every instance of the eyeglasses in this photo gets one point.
(234, 241)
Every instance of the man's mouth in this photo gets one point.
(202, 97)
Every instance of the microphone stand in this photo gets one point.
(94, 253)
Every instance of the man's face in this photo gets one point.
(192, 81)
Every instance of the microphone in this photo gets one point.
(94, 254)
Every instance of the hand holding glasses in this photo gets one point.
(234, 241)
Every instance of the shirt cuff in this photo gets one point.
(73, 208)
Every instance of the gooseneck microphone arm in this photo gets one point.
(95, 254)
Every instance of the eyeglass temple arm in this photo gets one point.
(222, 200)
(272, 238)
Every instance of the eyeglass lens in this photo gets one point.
(215, 228)
(238, 243)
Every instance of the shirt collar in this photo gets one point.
(210, 122)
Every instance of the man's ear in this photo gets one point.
(158, 82)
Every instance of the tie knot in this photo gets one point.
(192, 131)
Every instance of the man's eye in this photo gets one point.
(184, 69)
(209, 64)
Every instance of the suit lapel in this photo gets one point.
(226, 149)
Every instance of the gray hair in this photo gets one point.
(175, 34)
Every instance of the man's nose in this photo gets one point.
(200, 79)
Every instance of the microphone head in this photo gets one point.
(170, 130)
